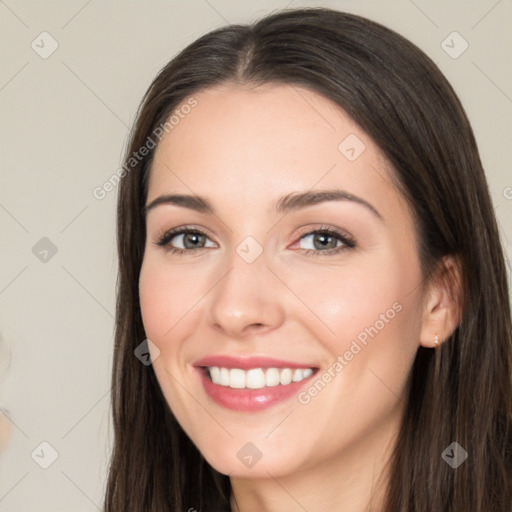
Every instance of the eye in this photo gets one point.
(187, 239)
(323, 241)
(326, 241)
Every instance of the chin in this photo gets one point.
(247, 461)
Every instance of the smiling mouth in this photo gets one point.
(256, 378)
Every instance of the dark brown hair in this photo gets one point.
(461, 392)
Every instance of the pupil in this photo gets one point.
(189, 236)
(324, 239)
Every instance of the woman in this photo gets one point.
(309, 257)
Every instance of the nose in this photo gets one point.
(247, 300)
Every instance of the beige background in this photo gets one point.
(64, 123)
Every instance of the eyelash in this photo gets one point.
(348, 241)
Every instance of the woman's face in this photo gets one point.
(258, 289)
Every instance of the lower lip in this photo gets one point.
(250, 400)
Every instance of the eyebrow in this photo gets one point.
(288, 203)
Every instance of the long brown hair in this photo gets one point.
(461, 392)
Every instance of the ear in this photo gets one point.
(442, 311)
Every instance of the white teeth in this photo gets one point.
(215, 373)
(224, 377)
(256, 378)
(272, 377)
(286, 376)
(236, 378)
(297, 375)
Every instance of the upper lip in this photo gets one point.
(246, 363)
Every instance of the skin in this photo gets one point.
(243, 148)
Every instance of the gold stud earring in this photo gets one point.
(436, 341)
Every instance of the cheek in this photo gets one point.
(349, 301)
(164, 304)
(154, 302)
(164, 298)
(370, 316)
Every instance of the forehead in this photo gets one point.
(266, 141)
